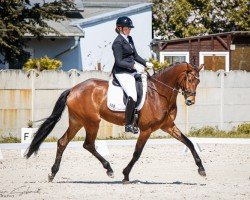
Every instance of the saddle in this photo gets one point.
(117, 98)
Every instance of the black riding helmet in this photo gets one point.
(124, 22)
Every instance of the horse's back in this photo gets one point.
(89, 85)
(89, 93)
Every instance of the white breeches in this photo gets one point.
(127, 81)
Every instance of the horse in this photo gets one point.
(87, 105)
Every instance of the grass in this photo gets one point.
(241, 131)
(9, 139)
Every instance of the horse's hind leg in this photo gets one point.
(89, 144)
(61, 146)
(177, 134)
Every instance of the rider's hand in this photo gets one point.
(149, 65)
(139, 68)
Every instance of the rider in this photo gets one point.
(127, 64)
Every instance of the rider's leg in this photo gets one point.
(129, 115)
(127, 81)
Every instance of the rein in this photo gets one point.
(173, 89)
(183, 92)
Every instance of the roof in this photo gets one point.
(92, 11)
(112, 15)
(233, 33)
(64, 28)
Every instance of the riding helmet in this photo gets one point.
(124, 22)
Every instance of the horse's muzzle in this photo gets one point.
(189, 102)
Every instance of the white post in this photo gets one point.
(32, 74)
(222, 74)
(102, 147)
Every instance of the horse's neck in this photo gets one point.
(170, 76)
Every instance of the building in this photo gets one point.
(88, 33)
(226, 51)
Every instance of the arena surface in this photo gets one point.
(162, 172)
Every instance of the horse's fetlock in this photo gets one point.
(54, 169)
(85, 146)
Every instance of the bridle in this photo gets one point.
(185, 92)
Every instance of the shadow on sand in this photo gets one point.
(132, 182)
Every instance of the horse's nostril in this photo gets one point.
(188, 102)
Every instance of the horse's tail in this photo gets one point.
(48, 125)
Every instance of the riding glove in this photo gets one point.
(139, 68)
(149, 65)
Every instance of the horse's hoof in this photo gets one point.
(110, 174)
(50, 177)
(202, 172)
(125, 182)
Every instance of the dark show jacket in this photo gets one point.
(125, 55)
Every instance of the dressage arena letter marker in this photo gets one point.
(102, 147)
(26, 137)
(196, 146)
(1, 155)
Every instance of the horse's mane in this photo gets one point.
(168, 68)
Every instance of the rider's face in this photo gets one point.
(126, 30)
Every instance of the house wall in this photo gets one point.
(194, 46)
(222, 100)
(51, 48)
(240, 59)
(97, 43)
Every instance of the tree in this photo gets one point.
(19, 18)
(184, 18)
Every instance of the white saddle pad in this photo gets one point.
(115, 96)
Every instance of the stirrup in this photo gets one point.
(129, 128)
(132, 129)
(136, 130)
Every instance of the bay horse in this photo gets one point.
(87, 104)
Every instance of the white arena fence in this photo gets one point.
(222, 100)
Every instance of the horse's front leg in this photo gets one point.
(176, 133)
(141, 141)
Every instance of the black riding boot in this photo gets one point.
(129, 115)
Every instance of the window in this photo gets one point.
(215, 60)
(173, 57)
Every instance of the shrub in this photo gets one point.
(9, 139)
(243, 129)
(44, 63)
(158, 65)
(207, 131)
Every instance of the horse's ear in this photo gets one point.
(190, 68)
(200, 67)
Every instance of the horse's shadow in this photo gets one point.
(132, 182)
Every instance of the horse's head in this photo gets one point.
(189, 82)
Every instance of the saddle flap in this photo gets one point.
(117, 98)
